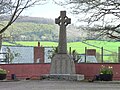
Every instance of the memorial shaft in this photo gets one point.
(62, 21)
(62, 46)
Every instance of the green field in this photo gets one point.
(78, 46)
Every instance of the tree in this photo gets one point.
(13, 9)
(103, 14)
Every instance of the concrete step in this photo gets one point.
(71, 77)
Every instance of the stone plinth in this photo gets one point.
(62, 64)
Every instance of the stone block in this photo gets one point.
(62, 64)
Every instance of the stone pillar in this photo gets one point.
(91, 52)
(38, 54)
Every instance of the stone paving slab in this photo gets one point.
(57, 85)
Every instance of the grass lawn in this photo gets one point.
(78, 46)
(35, 43)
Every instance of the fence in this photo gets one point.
(4, 58)
(13, 54)
(100, 54)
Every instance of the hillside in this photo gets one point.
(38, 20)
(39, 29)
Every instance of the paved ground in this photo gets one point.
(57, 85)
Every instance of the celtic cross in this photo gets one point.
(62, 21)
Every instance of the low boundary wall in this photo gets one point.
(24, 71)
(92, 69)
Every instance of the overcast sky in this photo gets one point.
(49, 10)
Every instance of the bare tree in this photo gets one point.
(103, 14)
(13, 9)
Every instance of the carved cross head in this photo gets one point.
(62, 20)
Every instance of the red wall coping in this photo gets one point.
(36, 70)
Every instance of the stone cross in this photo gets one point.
(62, 21)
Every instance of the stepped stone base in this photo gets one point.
(62, 64)
(63, 68)
(70, 77)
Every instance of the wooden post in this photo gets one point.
(102, 54)
(8, 58)
(118, 54)
(38, 44)
(70, 50)
(0, 41)
(85, 53)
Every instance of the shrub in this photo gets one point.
(106, 70)
(3, 71)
